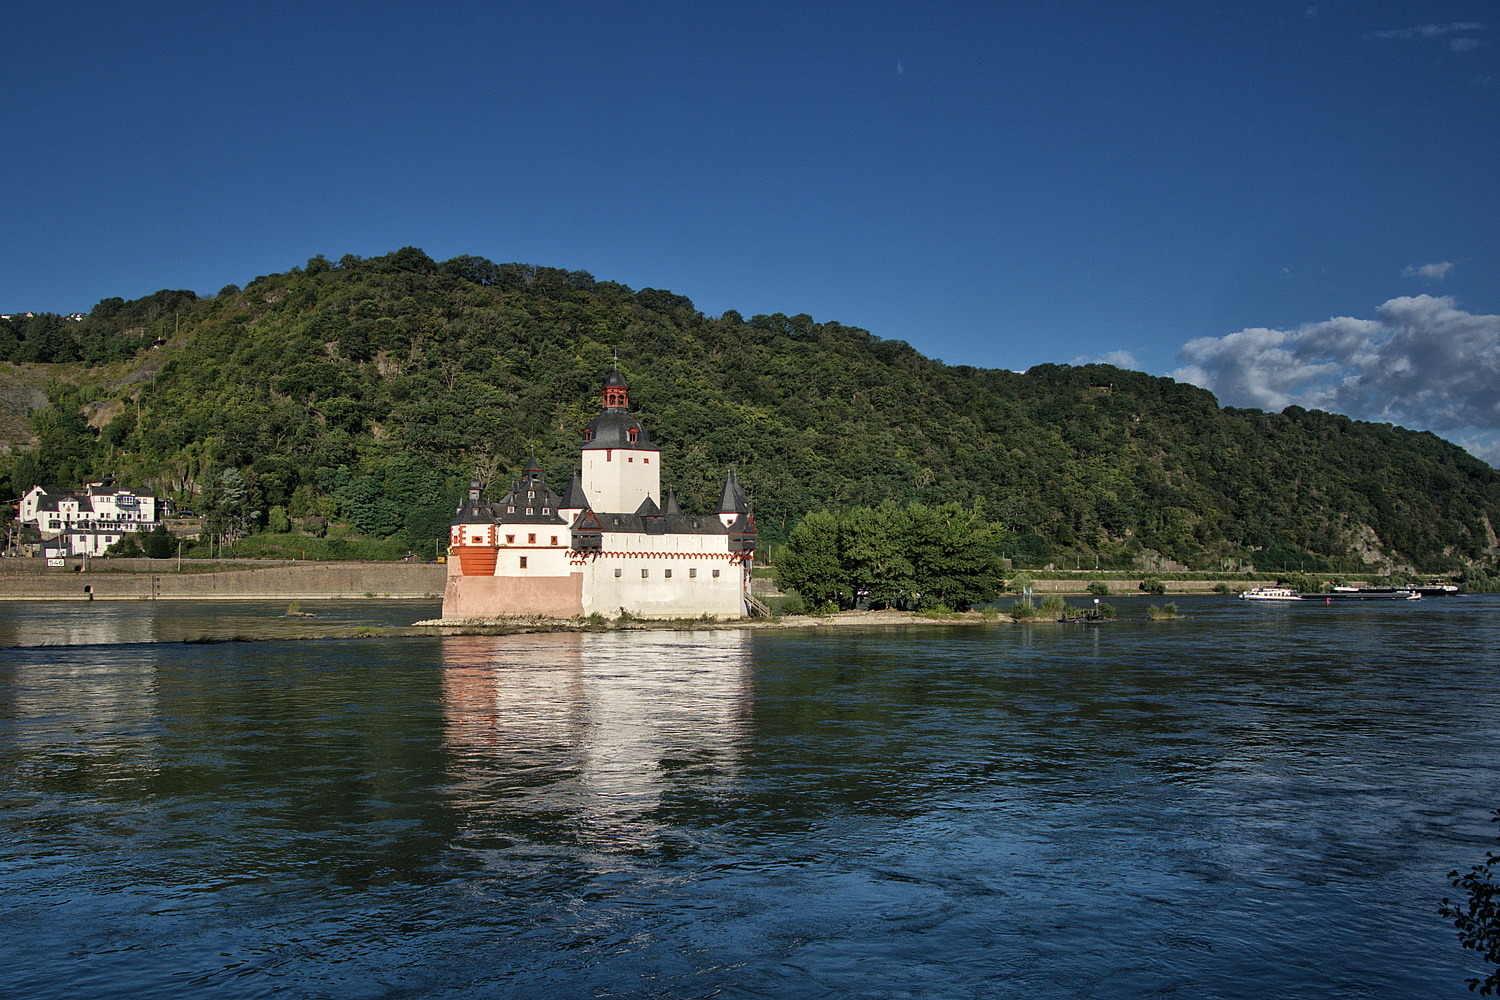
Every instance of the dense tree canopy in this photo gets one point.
(890, 556)
(369, 390)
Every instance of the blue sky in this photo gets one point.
(1282, 202)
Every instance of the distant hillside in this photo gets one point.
(370, 390)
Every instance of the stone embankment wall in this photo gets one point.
(765, 588)
(147, 579)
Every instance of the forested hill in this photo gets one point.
(369, 390)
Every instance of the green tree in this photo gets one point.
(229, 507)
(954, 556)
(159, 543)
(364, 503)
(1478, 919)
(125, 547)
(25, 473)
(65, 450)
(810, 563)
(872, 546)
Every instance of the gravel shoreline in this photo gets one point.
(842, 619)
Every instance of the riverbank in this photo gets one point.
(841, 619)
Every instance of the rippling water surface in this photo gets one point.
(1248, 802)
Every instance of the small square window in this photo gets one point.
(646, 460)
(530, 539)
(510, 539)
(618, 572)
(693, 573)
(529, 510)
(523, 562)
(554, 539)
(546, 510)
(630, 459)
(511, 509)
(668, 574)
(716, 574)
(645, 573)
(530, 494)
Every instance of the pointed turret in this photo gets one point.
(732, 502)
(574, 499)
(734, 512)
(670, 507)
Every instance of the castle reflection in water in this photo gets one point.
(592, 734)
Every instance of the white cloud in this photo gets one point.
(1120, 359)
(1429, 30)
(1485, 447)
(1423, 363)
(1432, 272)
(1465, 44)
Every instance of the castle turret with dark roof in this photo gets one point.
(621, 467)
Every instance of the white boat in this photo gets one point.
(1435, 588)
(1271, 594)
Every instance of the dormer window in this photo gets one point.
(634, 435)
(588, 435)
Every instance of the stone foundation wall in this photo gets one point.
(31, 579)
(492, 596)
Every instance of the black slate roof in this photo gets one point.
(611, 429)
(660, 524)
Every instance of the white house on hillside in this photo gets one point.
(86, 521)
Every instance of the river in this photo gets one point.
(1249, 801)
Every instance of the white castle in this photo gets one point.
(611, 542)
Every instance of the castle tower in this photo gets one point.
(621, 467)
(471, 534)
(732, 502)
